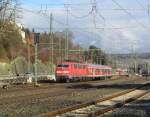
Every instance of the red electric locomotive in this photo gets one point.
(74, 71)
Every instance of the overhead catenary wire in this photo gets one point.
(63, 24)
(140, 4)
(42, 15)
(94, 5)
(95, 12)
(129, 14)
(66, 32)
(101, 28)
(100, 15)
(59, 22)
(80, 17)
(45, 15)
(148, 8)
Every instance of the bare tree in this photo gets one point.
(9, 36)
(8, 12)
(8, 9)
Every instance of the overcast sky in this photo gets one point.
(117, 26)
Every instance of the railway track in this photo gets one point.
(101, 106)
(39, 93)
(21, 88)
(37, 100)
(35, 92)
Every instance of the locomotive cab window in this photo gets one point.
(63, 65)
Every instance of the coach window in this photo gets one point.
(91, 70)
(82, 66)
(71, 65)
(79, 66)
(99, 70)
(75, 65)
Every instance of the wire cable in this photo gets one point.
(95, 9)
(100, 15)
(80, 17)
(101, 28)
(43, 15)
(140, 4)
(141, 24)
(148, 9)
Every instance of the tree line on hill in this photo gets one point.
(55, 46)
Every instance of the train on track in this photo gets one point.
(76, 71)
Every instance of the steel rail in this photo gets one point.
(117, 105)
(89, 103)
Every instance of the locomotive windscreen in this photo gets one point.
(63, 65)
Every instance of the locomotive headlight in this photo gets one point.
(59, 72)
(66, 71)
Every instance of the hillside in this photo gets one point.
(11, 44)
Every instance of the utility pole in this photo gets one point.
(36, 57)
(67, 24)
(14, 13)
(134, 59)
(60, 52)
(36, 41)
(51, 41)
(29, 62)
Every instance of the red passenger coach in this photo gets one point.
(121, 72)
(74, 71)
(99, 71)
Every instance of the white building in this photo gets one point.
(20, 27)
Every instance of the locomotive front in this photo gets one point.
(62, 72)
